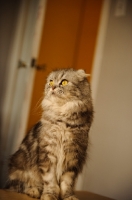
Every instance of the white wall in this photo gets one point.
(109, 168)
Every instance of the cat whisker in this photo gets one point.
(53, 153)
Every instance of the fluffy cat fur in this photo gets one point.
(53, 153)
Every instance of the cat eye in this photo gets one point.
(64, 82)
(51, 83)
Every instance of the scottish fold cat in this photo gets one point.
(53, 153)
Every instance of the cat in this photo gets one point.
(53, 153)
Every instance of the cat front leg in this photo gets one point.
(67, 186)
(51, 188)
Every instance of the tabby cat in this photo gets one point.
(53, 153)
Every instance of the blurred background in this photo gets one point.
(37, 36)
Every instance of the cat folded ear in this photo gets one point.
(81, 74)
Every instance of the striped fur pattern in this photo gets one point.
(52, 155)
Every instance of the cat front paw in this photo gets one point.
(71, 198)
(48, 197)
(32, 192)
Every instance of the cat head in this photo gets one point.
(67, 85)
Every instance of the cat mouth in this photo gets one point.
(53, 93)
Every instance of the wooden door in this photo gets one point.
(68, 40)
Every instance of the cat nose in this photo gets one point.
(53, 87)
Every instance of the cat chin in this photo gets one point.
(75, 106)
(52, 95)
(49, 102)
(70, 106)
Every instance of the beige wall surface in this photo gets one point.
(109, 168)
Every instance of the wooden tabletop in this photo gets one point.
(82, 195)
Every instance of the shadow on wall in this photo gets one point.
(109, 170)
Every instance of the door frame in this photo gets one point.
(20, 77)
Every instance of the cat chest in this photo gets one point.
(65, 158)
(61, 149)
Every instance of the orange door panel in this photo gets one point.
(68, 40)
